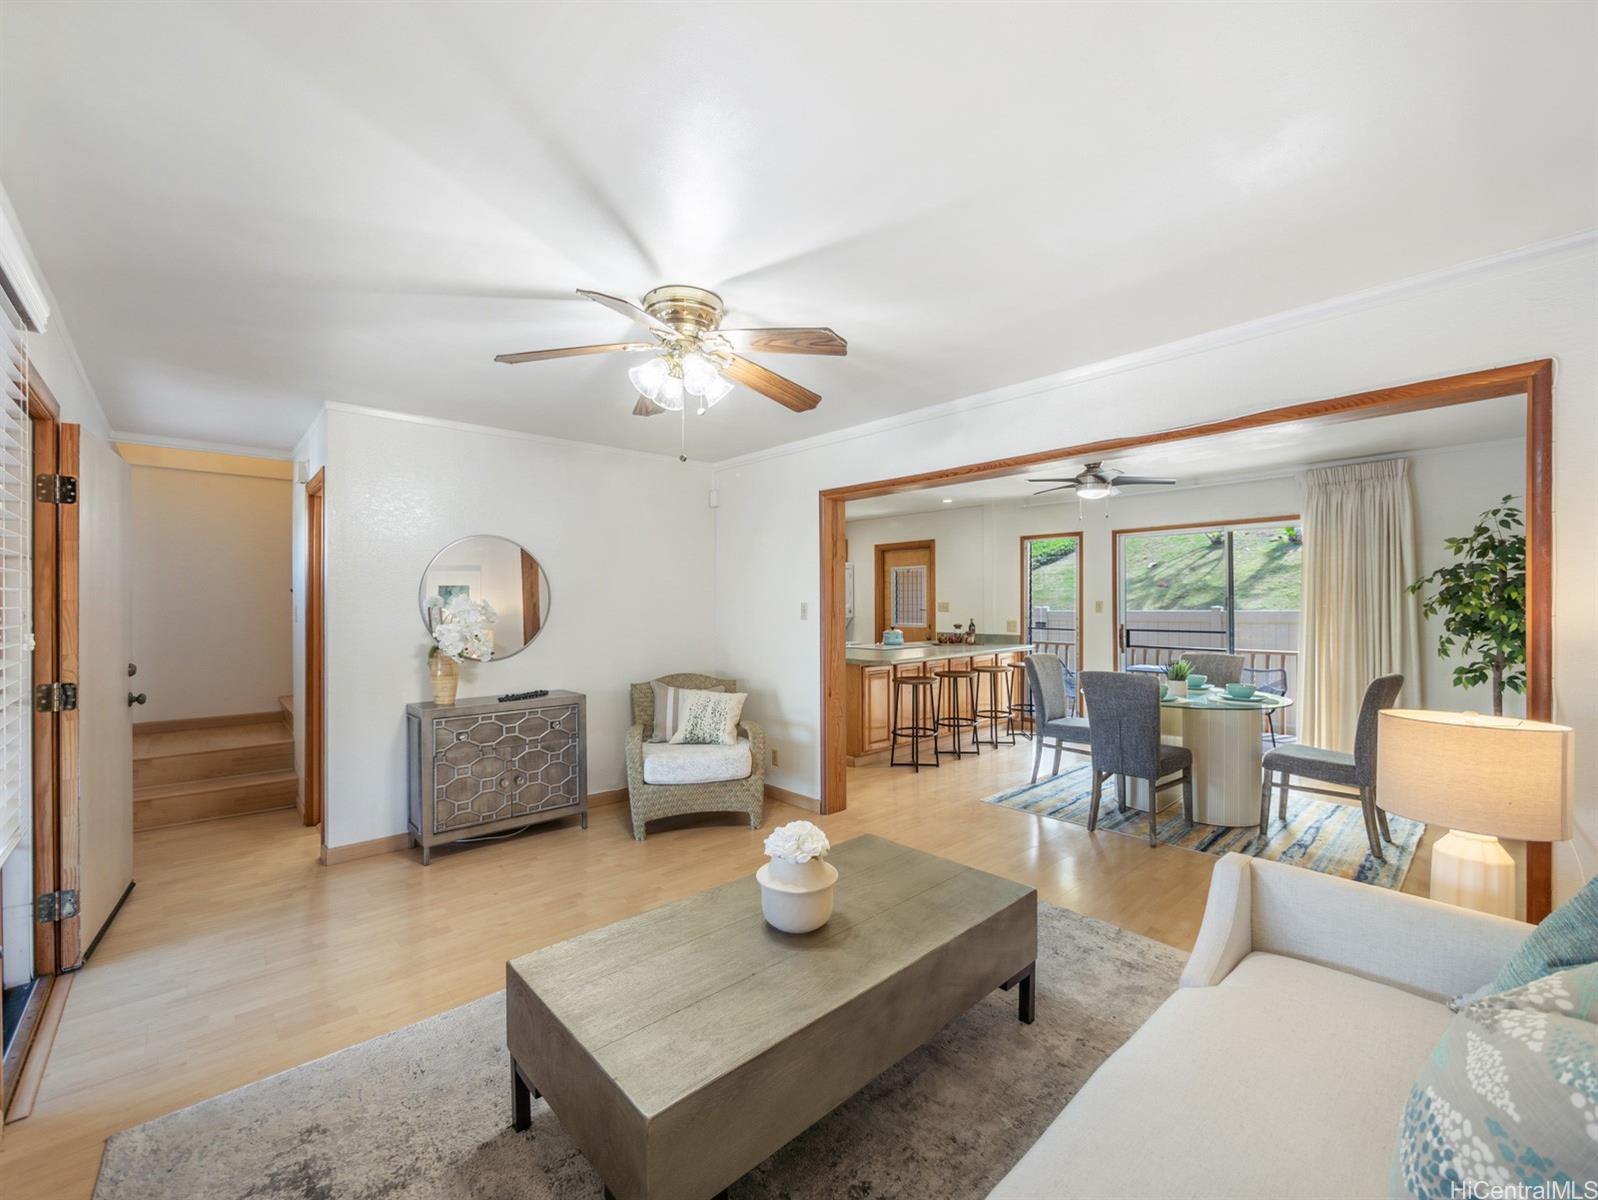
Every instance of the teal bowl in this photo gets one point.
(1197, 681)
(1165, 691)
(1240, 691)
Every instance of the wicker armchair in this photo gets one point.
(650, 801)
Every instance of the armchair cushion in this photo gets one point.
(678, 762)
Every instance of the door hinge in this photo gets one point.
(56, 906)
(56, 489)
(55, 697)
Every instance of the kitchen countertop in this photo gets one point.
(874, 654)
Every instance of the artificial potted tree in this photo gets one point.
(1482, 596)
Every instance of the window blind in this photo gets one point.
(16, 583)
(909, 595)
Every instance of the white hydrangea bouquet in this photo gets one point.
(796, 885)
(797, 842)
(462, 629)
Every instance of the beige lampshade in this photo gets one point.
(1493, 775)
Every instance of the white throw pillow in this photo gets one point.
(668, 709)
(709, 718)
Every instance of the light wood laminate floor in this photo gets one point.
(238, 956)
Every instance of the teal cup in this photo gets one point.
(1197, 681)
(1240, 691)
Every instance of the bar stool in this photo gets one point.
(948, 696)
(997, 677)
(920, 688)
(1024, 712)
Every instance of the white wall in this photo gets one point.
(1507, 311)
(626, 539)
(54, 359)
(210, 583)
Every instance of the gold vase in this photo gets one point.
(446, 677)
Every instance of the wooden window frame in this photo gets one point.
(1534, 380)
(1081, 573)
(1193, 526)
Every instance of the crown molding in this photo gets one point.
(496, 431)
(203, 447)
(1573, 245)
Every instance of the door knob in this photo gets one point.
(133, 669)
(135, 699)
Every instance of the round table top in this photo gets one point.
(1215, 699)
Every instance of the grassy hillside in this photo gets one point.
(1188, 570)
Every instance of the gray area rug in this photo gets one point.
(425, 1111)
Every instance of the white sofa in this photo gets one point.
(1282, 1063)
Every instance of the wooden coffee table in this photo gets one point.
(681, 1047)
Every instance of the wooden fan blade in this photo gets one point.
(784, 341)
(1139, 479)
(627, 309)
(768, 383)
(570, 351)
(646, 407)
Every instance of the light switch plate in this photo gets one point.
(943, 606)
(1009, 627)
(1098, 606)
(804, 610)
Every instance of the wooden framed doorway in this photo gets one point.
(890, 557)
(313, 810)
(1534, 380)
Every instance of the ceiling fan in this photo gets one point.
(1096, 482)
(691, 356)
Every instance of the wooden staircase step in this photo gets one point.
(177, 803)
(286, 703)
(214, 765)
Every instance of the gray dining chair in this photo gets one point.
(1356, 770)
(1124, 735)
(1054, 701)
(1219, 669)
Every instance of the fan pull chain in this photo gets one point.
(682, 444)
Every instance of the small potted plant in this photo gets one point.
(796, 885)
(1176, 676)
(462, 628)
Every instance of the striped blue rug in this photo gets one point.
(1319, 834)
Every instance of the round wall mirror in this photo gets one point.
(492, 569)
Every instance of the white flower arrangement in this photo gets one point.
(797, 842)
(462, 628)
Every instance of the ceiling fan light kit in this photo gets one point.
(694, 356)
(1095, 481)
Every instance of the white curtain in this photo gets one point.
(1360, 621)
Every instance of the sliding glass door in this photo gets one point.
(1051, 581)
(1236, 588)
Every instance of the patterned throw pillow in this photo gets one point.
(1566, 937)
(668, 709)
(710, 718)
(1508, 1102)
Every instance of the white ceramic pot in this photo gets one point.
(796, 897)
(1178, 686)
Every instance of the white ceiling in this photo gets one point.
(1249, 454)
(247, 209)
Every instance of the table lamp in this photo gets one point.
(1483, 778)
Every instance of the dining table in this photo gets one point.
(1224, 735)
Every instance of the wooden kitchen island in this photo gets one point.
(872, 668)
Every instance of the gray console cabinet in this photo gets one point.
(482, 767)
